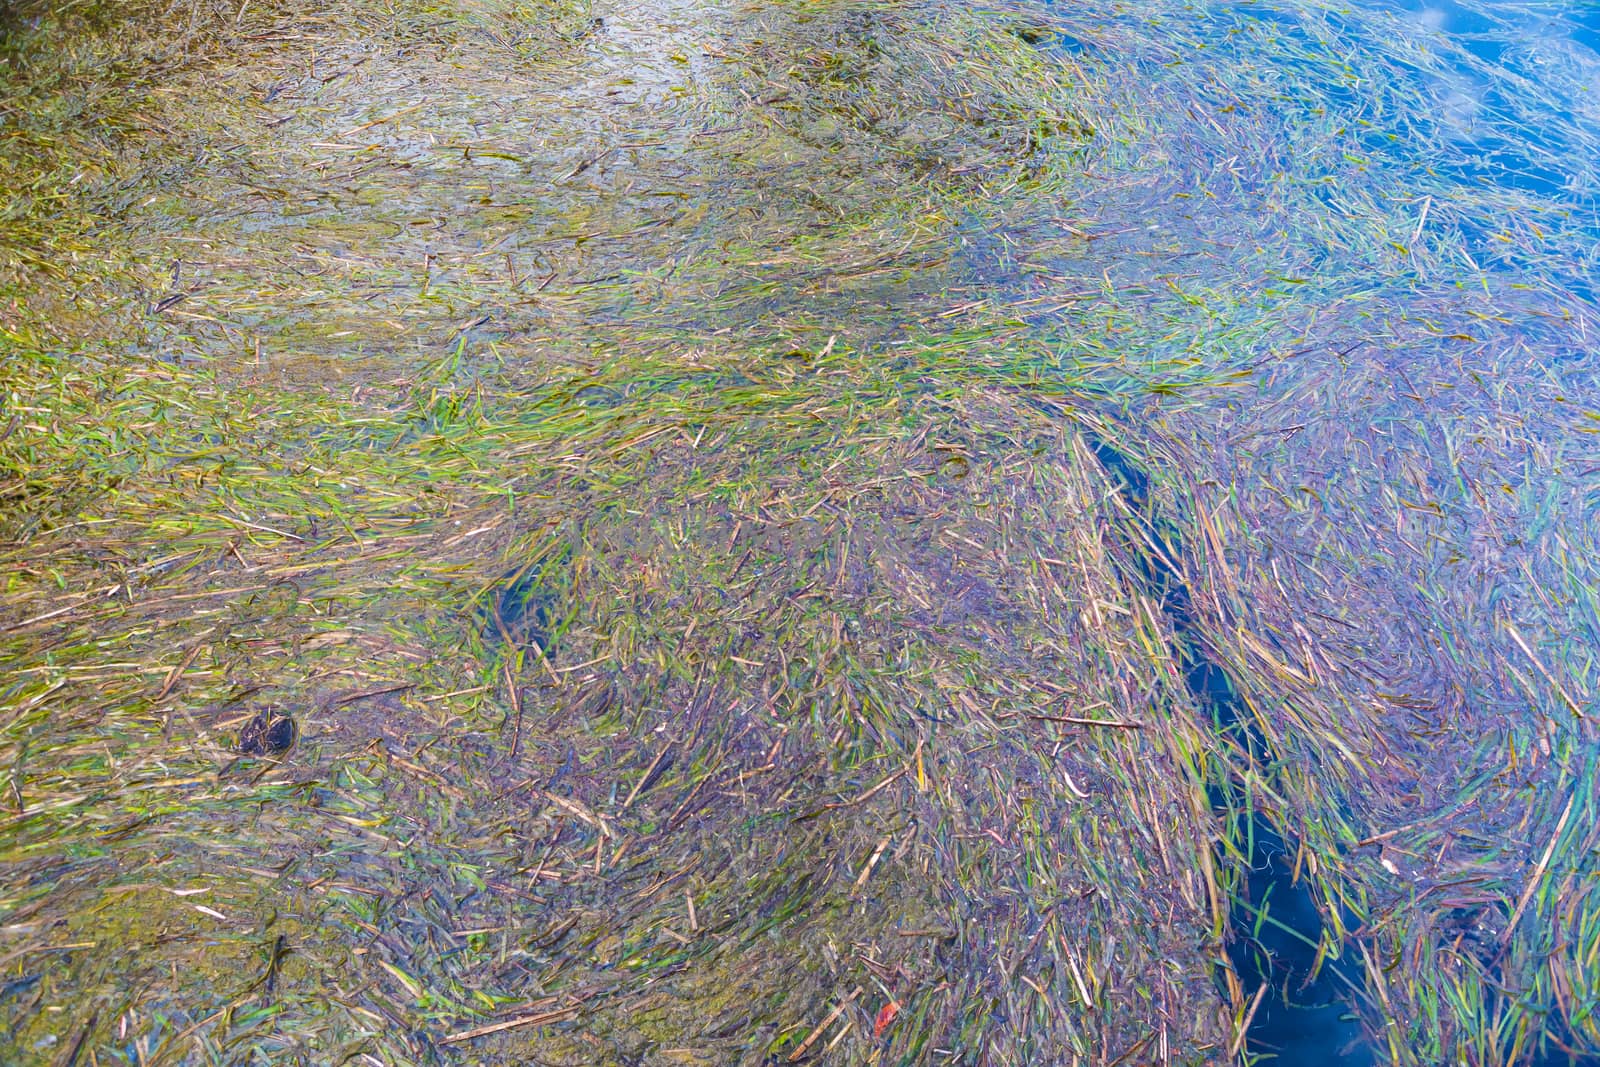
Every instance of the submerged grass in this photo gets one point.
(839, 639)
(756, 359)
(854, 746)
(1370, 444)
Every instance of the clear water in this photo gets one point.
(1385, 220)
(1340, 259)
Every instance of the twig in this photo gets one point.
(1249, 1017)
(177, 672)
(1533, 881)
(1116, 723)
(539, 1019)
(816, 1032)
(365, 693)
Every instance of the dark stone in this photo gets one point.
(268, 734)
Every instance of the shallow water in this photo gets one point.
(1312, 280)
(1365, 176)
(1464, 120)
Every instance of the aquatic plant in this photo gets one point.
(676, 466)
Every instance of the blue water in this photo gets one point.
(1304, 1015)
(1413, 188)
(1475, 109)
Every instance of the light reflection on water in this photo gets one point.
(1488, 106)
(1504, 70)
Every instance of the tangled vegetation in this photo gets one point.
(671, 464)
